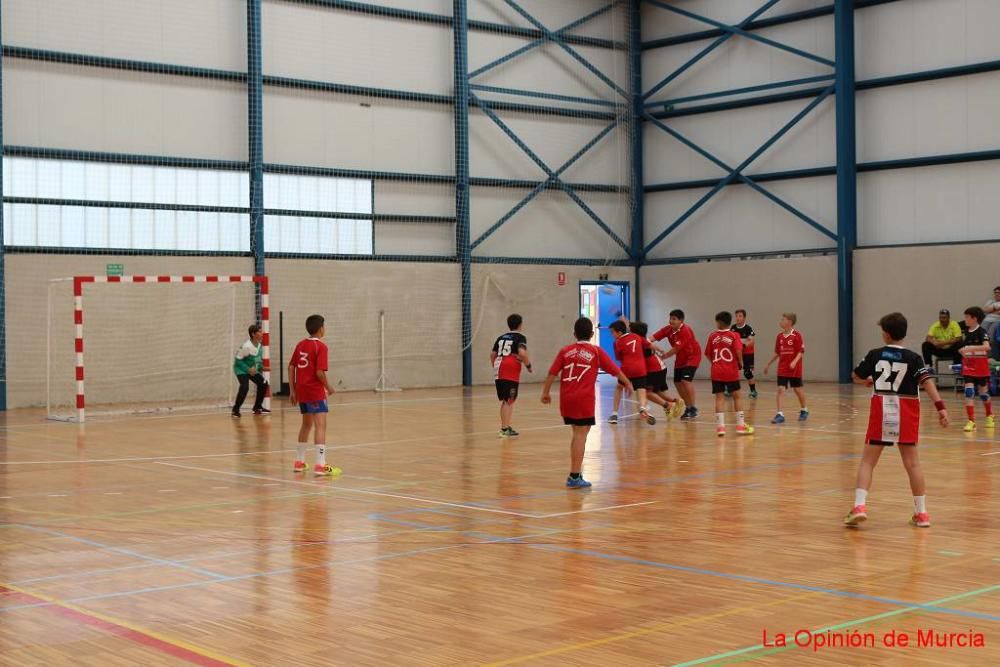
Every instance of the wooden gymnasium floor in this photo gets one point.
(188, 540)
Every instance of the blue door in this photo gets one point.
(604, 302)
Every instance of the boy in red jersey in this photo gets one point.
(629, 352)
(510, 352)
(788, 351)
(656, 375)
(309, 387)
(976, 367)
(724, 350)
(576, 366)
(684, 345)
(897, 374)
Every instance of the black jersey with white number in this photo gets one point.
(507, 365)
(895, 370)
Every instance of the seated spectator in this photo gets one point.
(944, 339)
(992, 322)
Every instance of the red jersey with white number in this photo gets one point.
(787, 347)
(723, 349)
(653, 363)
(628, 350)
(309, 356)
(688, 348)
(576, 367)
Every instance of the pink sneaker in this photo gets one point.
(299, 466)
(921, 520)
(325, 470)
(720, 431)
(856, 516)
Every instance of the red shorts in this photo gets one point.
(893, 420)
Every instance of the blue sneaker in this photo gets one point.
(803, 415)
(778, 419)
(578, 483)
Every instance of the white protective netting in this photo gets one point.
(148, 347)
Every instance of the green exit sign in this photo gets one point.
(116, 269)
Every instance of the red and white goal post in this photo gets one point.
(79, 282)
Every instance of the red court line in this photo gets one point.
(121, 629)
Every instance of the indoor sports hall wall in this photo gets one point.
(918, 281)
(548, 309)
(765, 288)
(350, 92)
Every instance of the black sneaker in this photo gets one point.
(511, 432)
(261, 411)
(235, 414)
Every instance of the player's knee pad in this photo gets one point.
(970, 392)
(747, 373)
(984, 397)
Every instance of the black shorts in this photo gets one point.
(657, 381)
(882, 443)
(785, 381)
(747, 362)
(637, 382)
(506, 390)
(720, 387)
(976, 381)
(579, 421)
(684, 373)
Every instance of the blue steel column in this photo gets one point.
(636, 182)
(3, 268)
(847, 210)
(462, 227)
(255, 128)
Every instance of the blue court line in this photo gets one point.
(255, 575)
(745, 578)
(767, 582)
(125, 552)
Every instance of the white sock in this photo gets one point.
(300, 451)
(860, 496)
(919, 504)
(321, 455)
(780, 413)
(720, 419)
(643, 408)
(740, 421)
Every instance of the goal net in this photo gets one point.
(147, 344)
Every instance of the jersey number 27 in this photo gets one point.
(886, 381)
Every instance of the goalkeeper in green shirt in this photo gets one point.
(248, 367)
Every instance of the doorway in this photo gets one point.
(604, 302)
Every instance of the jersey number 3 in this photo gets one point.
(885, 381)
(303, 360)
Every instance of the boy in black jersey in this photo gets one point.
(896, 374)
(510, 352)
(747, 335)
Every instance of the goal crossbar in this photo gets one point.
(78, 286)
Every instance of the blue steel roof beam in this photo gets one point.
(705, 51)
(544, 167)
(541, 40)
(729, 178)
(565, 47)
(547, 96)
(745, 179)
(769, 22)
(668, 103)
(446, 19)
(543, 185)
(743, 33)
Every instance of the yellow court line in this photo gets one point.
(693, 620)
(179, 643)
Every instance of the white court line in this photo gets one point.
(361, 491)
(991, 453)
(597, 509)
(491, 510)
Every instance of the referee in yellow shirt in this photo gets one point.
(944, 339)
